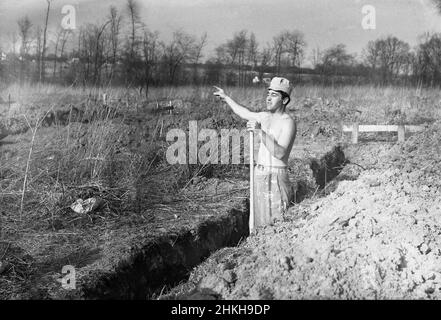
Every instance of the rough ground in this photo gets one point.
(102, 153)
(376, 237)
(98, 245)
(138, 210)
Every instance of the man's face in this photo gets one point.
(273, 100)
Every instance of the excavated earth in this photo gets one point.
(374, 235)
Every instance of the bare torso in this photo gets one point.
(275, 125)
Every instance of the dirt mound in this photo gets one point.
(373, 238)
(10, 126)
(3, 131)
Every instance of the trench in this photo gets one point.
(167, 262)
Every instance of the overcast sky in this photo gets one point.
(324, 22)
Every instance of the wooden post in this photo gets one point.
(104, 99)
(251, 221)
(162, 127)
(401, 133)
(9, 101)
(355, 133)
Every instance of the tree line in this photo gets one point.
(122, 50)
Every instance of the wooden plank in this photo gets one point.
(382, 128)
(414, 128)
(378, 128)
(372, 128)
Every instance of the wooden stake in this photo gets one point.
(355, 133)
(401, 133)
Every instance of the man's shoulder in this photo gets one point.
(264, 115)
(288, 118)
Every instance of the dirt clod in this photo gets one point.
(229, 276)
(214, 283)
(286, 263)
(3, 267)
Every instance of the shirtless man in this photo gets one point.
(272, 188)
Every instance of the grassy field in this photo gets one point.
(116, 152)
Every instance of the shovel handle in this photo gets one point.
(251, 220)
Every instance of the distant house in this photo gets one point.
(2, 56)
(75, 60)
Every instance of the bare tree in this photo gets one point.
(181, 49)
(115, 26)
(279, 49)
(150, 46)
(24, 26)
(316, 57)
(437, 4)
(222, 55)
(265, 58)
(60, 43)
(57, 41)
(99, 50)
(92, 55)
(389, 56)
(133, 10)
(237, 49)
(199, 46)
(372, 53)
(289, 45)
(64, 37)
(132, 55)
(335, 59)
(14, 39)
(427, 61)
(252, 51)
(43, 50)
(38, 48)
(295, 46)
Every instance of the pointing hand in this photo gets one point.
(219, 93)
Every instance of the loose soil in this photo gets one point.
(375, 237)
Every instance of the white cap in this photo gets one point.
(280, 84)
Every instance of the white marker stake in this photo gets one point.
(251, 222)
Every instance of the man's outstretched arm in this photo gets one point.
(241, 111)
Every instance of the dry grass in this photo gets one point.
(110, 152)
(119, 154)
